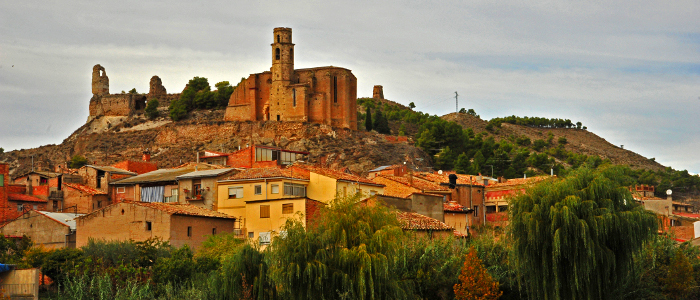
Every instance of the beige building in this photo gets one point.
(327, 184)
(199, 187)
(50, 229)
(179, 224)
(262, 199)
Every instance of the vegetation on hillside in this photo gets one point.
(198, 95)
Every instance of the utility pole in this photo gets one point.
(456, 102)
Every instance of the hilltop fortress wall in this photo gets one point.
(103, 103)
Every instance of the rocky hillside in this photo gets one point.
(579, 141)
(107, 140)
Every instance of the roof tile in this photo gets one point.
(23, 197)
(414, 221)
(85, 189)
(259, 173)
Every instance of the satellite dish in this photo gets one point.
(440, 172)
(668, 192)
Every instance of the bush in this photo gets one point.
(152, 109)
(78, 161)
(539, 145)
(562, 141)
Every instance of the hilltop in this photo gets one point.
(107, 140)
(579, 141)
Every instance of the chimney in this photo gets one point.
(146, 156)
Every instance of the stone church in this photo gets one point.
(325, 95)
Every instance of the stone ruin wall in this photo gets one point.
(103, 103)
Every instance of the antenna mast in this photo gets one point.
(456, 103)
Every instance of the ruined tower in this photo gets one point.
(156, 88)
(100, 81)
(378, 92)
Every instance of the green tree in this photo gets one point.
(463, 165)
(402, 130)
(578, 125)
(223, 93)
(539, 145)
(133, 91)
(368, 120)
(77, 161)
(2, 150)
(152, 109)
(178, 110)
(562, 141)
(575, 238)
(411, 105)
(463, 110)
(381, 124)
(348, 253)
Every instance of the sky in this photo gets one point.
(629, 71)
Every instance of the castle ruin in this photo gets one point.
(326, 95)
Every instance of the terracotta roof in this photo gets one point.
(111, 169)
(444, 178)
(174, 209)
(260, 173)
(85, 189)
(454, 207)
(23, 197)
(460, 235)
(687, 215)
(518, 181)
(382, 168)
(393, 188)
(337, 175)
(166, 175)
(414, 221)
(139, 167)
(417, 182)
(41, 173)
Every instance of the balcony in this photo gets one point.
(56, 195)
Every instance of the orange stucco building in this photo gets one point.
(325, 95)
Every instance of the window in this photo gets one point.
(264, 238)
(291, 189)
(291, 54)
(2, 179)
(174, 193)
(251, 235)
(278, 117)
(55, 205)
(36, 207)
(335, 89)
(213, 231)
(262, 154)
(476, 210)
(277, 54)
(258, 189)
(121, 190)
(502, 208)
(294, 97)
(345, 191)
(278, 38)
(235, 192)
(148, 226)
(20, 207)
(264, 211)
(287, 158)
(490, 209)
(99, 204)
(197, 188)
(288, 208)
(372, 193)
(189, 231)
(275, 189)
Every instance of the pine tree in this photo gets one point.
(368, 120)
(152, 109)
(381, 124)
(463, 165)
(575, 238)
(474, 282)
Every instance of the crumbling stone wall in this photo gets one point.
(156, 88)
(378, 92)
(100, 81)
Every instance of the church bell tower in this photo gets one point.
(282, 55)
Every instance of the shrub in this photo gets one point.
(77, 161)
(152, 109)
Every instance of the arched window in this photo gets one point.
(278, 38)
(291, 54)
(294, 97)
(277, 53)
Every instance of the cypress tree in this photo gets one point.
(368, 120)
(381, 124)
(575, 238)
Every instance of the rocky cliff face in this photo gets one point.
(107, 140)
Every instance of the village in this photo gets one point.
(252, 194)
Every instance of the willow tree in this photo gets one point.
(574, 238)
(346, 254)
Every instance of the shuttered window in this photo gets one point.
(264, 211)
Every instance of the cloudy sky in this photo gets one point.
(630, 72)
